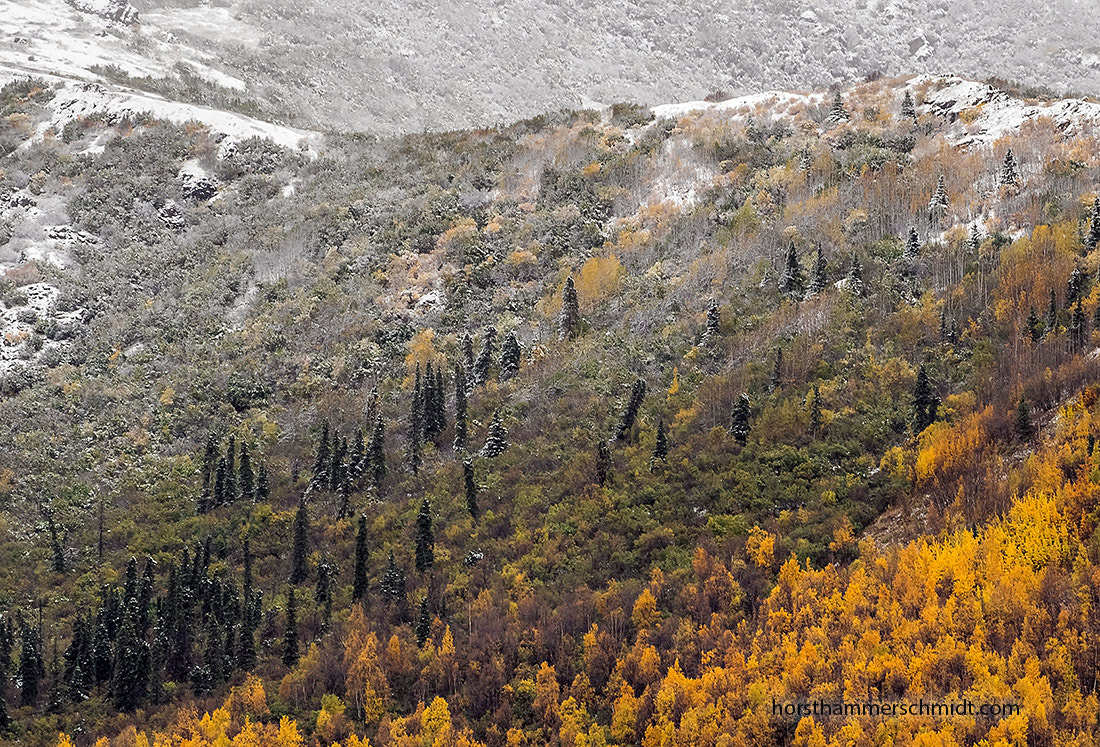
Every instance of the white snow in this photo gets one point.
(770, 102)
(992, 113)
(78, 100)
(51, 38)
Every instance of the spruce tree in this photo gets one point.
(484, 363)
(1076, 287)
(1024, 429)
(1010, 172)
(290, 638)
(974, 240)
(439, 402)
(263, 491)
(819, 277)
(31, 666)
(739, 425)
(937, 205)
(470, 488)
(792, 283)
(416, 426)
(131, 670)
(219, 484)
(376, 455)
(714, 322)
(425, 538)
(299, 569)
(1092, 238)
(359, 573)
(509, 357)
(461, 436)
(660, 446)
(855, 278)
(246, 482)
(468, 354)
(497, 439)
(603, 462)
(925, 402)
(912, 247)
(423, 623)
(815, 413)
(908, 109)
(1078, 328)
(838, 112)
(102, 650)
(777, 369)
(1050, 324)
(246, 640)
(231, 470)
(630, 412)
(569, 320)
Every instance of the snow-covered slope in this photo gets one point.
(80, 40)
(80, 100)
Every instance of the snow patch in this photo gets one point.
(80, 100)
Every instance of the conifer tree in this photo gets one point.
(231, 470)
(440, 402)
(603, 462)
(468, 354)
(1078, 328)
(714, 322)
(416, 426)
(300, 569)
(819, 277)
(509, 357)
(425, 538)
(1010, 171)
(461, 436)
(56, 546)
(376, 455)
(739, 425)
(484, 363)
(497, 439)
(855, 278)
(338, 466)
(79, 674)
(792, 283)
(925, 402)
(815, 412)
(246, 641)
(1076, 287)
(31, 666)
(777, 369)
(838, 112)
(102, 649)
(1092, 238)
(974, 241)
(263, 491)
(660, 446)
(630, 413)
(912, 247)
(569, 320)
(1050, 324)
(131, 670)
(219, 484)
(908, 109)
(290, 638)
(1024, 430)
(427, 395)
(470, 488)
(357, 459)
(359, 580)
(246, 482)
(423, 623)
(937, 205)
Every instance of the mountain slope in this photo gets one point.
(792, 314)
